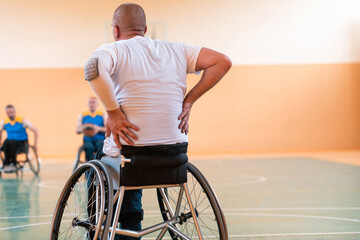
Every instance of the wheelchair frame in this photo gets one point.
(20, 163)
(105, 200)
(79, 160)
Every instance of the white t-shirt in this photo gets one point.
(150, 83)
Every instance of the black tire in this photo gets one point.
(33, 160)
(81, 194)
(2, 157)
(80, 157)
(209, 214)
(108, 186)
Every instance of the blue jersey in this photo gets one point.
(95, 118)
(15, 129)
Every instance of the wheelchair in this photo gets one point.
(80, 157)
(25, 156)
(188, 205)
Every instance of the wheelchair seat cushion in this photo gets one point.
(154, 165)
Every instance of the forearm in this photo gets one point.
(79, 127)
(211, 76)
(102, 129)
(104, 89)
(35, 137)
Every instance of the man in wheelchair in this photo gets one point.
(142, 84)
(92, 124)
(17, 138)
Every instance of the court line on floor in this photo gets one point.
(294, 208)
(295, 234)
(28, 225)
(293, 215)
(39, 216)
(22, 226)
(279, 235)
(230, 236)
(227, 214)
(46, 185)
(257, 179)
(150, 213)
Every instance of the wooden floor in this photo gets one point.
(288, 196)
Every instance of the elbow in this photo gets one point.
(227, 64)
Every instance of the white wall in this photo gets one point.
(42, 34)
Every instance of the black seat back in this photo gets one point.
(154, 165)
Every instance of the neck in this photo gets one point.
(128, 35)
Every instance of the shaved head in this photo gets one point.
(92, 104)
(130, 17)
(10, 111)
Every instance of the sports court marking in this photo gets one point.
(295, 234)
(150, 213)
(237, 214)
(252, 180)
(45, 184)
(281, 235)
(39, 216)
(230, 236)
(293, 215)
(27, 225)
(290, 209)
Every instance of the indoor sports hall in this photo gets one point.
(278, 138)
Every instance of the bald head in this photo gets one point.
(130, 17)
(93, 104)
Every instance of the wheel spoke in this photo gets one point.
(205, 205)
(77, 215)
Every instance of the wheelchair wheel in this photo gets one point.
(108, 187)
(2, 158)
(209, 214)
(80, 157)
(79, 212)
(33, 160)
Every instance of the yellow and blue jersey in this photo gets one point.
(95, 118)
(15, 129)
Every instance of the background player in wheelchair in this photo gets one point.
(17, 139)
(91, 123)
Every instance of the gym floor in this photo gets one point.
(272, 197)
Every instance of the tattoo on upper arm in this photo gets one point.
(91, 69)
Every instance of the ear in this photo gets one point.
(116, 33)
(145, 29)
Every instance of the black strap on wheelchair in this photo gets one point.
(170, 149)
(129, 151)
(132, 216)
(154, 165)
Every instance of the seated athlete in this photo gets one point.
(94, 120)
(17, 137)
(142, 84)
